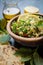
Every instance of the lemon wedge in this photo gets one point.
(31, 9)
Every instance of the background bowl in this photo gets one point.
(22, 40)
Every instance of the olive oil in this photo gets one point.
(9, 13)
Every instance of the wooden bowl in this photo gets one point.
(24, 41)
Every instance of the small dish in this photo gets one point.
(24, 41)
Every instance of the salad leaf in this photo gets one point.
(38, 60)
(25, 54)
(4, 38)
(32, 62)
(23, 51)
(40, 23)
(24, 59)
(28, 57)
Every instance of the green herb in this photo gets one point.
(4, 38)
(2, 23)
(22, 21)
(25, 54)
(32, 62)
(40, 23)
(29, 56)
(37, 59)
(3, 26)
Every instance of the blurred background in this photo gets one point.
(23, 3)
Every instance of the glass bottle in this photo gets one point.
(10, 9)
